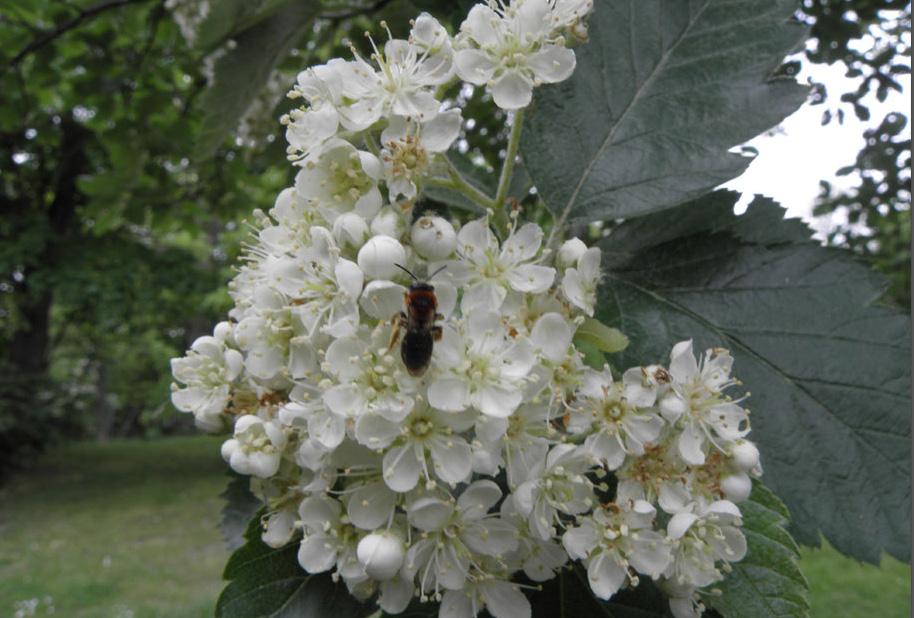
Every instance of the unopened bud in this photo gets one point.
(350, 229)
(379, 257)
(381, 555)
(433, 238)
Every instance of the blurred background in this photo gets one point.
(137, 135)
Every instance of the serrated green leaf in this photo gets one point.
(767, 583)
(269, 583)
(599, 335)
(239, 509)
(828, 370)
(242, 72)
(661, 92)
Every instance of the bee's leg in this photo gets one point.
(438, 316)
(437, 332)
(399, 321)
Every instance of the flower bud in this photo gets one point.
(736, 487)
(745, 455)
(569, 252)
(378, 257)
(433, 238)
(223, 332)
(381, 554)
(387, 223)
(350, 229)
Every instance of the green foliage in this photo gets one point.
(878, 208)
(239, 509)
(828, 370)
(269, 582)
(660, 93)
(767, 583)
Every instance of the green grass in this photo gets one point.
(123, 529)
(128, 529)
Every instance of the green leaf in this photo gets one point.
(240, 75)
(828, 369)
(266, 582)
(229, 17)
(767, 583)
(661, 92)
(602, 337)
(239, 508)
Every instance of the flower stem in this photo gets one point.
(456, 182)
(501, 218)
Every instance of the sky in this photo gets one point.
(800, 152)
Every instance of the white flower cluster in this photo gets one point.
(438, 438)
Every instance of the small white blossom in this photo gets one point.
(256, 447)
(207, 373)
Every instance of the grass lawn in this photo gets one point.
(128, 529)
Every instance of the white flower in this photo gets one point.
(511, 51)
(403, 84)
(540, 559)
(487, 272)
(696, 404)
(433, 238)
(408, 149)
(379, 257)
(207, 373)
(427, 431)
(579, 285)
(525, 437)
(614, 539)
(340, 178)
(616, 426)
(454, 533)
(322, 286)
(557, 484)
(256, 448)
(365, 382)
(321, 86)
(327, 541)
(483, 368)
(704, 533)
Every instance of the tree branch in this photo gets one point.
(68, 25)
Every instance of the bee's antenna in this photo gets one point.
(432, 276)
(415, 278)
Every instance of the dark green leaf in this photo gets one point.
(660, 94)
(240, 507)
(767, 583)
(829, 370)
(241, 74)
(229, 17)
(269, 583)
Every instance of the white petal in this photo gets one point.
(317, 553)
(451, 458)
(505, 600)
(512, 91)
(523, 244)
(449, 393)
(605, 575)
(401, 468)
(553, 63)
(531, 278)
(552, 336)
(580, 541)
(429, 514)
(438, 134)
(473, 66)
(477, 499)
(680, 524)
(369, 507)
(456, 604)
(691, 444)
(496, 401)
(382, 299)
(683, 366)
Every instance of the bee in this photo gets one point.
(419, 323)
